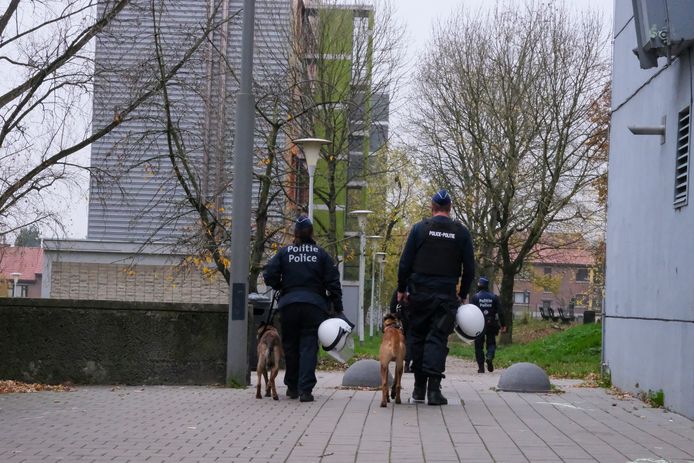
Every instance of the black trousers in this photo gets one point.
(432, 319)
(489, 334)
(300, 323)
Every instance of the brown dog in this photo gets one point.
(269, 355)
(392, 348)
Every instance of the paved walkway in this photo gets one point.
(201, 424)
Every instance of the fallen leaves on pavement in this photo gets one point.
(9, 386)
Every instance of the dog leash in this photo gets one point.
(270, 313)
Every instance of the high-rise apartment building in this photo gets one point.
(134, 195)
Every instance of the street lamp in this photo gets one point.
(311, 148)
(237, 371)
(361, 218)
(374, 240)
(15, 276)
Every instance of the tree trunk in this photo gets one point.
(332, 209)
(258, 249)
(506, 297)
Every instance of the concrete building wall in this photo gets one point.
(125, 272)
(649, 326)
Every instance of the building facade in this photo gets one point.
(120, 271)
(24, 263)
(134, 195)
(557, 278)
(649, 299)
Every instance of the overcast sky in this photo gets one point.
(419, 18)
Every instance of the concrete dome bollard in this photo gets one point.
(524, 377)
(364, 373)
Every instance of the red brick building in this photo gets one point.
(28, 262)
(557, 278)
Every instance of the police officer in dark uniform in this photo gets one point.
(488, 303)
(309, 282)
(436, 251)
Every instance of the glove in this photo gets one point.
(337, 306)
(341, 315)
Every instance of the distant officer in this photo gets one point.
(437, 250)
(308, 281)
(488, 303)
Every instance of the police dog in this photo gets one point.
(269, 355)
(392, 349)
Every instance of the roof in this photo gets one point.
(562, 256)
(27, 261)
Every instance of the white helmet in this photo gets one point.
(469, 322)
(335, 337)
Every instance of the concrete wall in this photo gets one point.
(120, 271)
(102, 342)
(649, 326)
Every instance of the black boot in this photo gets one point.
(490, 365)
(420, 387)
(480, 367)
(434, 396)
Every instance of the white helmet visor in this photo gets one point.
(343, 349)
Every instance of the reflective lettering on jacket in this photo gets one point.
(302, 253)
(485, 305)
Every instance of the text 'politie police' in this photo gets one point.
(302, 253)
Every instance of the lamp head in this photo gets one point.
(311, 148)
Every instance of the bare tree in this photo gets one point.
(504, 107)
(47, 53)
(348, 65)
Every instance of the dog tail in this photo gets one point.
(269, 357)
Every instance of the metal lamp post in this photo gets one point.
(238, 373)
(15, 276)
(361, 218)
(374, 240)
(311, 148)
(381, 257)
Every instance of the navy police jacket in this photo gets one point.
(437, 255)
(490, 306)
(304, 273)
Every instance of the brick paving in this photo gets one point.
(205, 424)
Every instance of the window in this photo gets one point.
(354, 202)
(355, 169)
(582, 274)
(22, 290)
(350, 265)
(377, 137)
(521, 297)
(356, 144)
(682, 160)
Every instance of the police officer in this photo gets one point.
(309, 282)
(488, 302)
(436, 251)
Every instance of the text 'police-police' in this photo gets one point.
(298, 253)
(440, 234)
